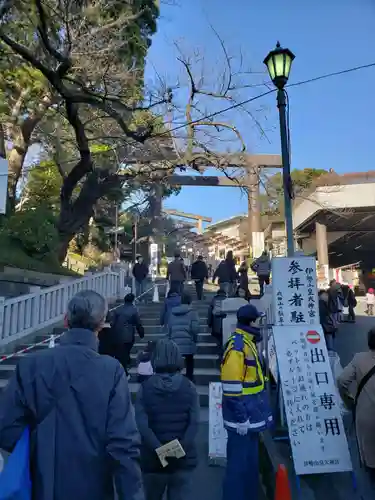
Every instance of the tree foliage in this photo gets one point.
(89, 56)
(34, 231)
(272, 198)
(43, 187)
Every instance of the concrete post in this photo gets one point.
(321, 243)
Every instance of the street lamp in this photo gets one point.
(279, 63)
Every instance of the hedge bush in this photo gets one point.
(33, 230)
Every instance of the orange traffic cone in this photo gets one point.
(282, 490)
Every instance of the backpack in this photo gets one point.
(15, 480)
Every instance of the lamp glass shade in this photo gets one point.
(279, 63)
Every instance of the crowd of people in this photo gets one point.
(336, 305)
(88, 440)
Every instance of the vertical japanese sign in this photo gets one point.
(312, 408)
(295, 296)
(153, 260)
(217, 435)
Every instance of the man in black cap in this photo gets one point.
(176, 273)
(246, 410)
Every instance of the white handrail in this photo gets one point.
(26, 314)
(55, 337)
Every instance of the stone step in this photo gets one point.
(151, 323)
(201, 389)
(202, 376)
(202, 347)
(151, 333)
(6, 370)
(134, 386)
(207, 361)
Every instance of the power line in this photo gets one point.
(328, 75)
(247, 101)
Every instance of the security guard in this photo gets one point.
(246, 409)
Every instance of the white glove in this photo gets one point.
(242, 428)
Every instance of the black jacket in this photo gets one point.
(87, 437)
(335, 296)
(348, 296)
(226, 272)
(140, 271)
(326, 319)
(176, 271)
(125, 322)
(167, 408)
(215, 321)
(199, 270)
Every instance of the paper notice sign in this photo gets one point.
(172, 449)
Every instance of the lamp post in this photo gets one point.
(279, 63)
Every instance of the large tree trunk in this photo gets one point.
(63, 247)
(15, 163)
(75, 216)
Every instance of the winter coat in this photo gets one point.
(326, 319)
(365, 421)
(167, 408)
(335, 298)
(244, 278)
(226, 272)
(140, 271)
(125, 322)
(262, 266)
(183, 328)
(170, 302)
(87, 435)
(176, 271)
(199, 270)
(349, 299)
(215, 321)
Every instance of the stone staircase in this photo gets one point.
(206, 359)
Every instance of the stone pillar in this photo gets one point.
(321, 243)
(255, 233)
(200, 226)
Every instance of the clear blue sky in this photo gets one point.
(332, 121)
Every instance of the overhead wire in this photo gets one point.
(252, 99)
(247, 101)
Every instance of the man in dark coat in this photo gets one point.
(215, 316)
(326, 319)
(125, 322)
(176, 273)
(77, 405)
(226, 274)
(166, 409)
(349, 301)
(262, 266)
(140, 273)
(199, 273)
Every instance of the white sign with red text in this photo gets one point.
(312, 406)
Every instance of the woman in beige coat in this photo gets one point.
(348, 383)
